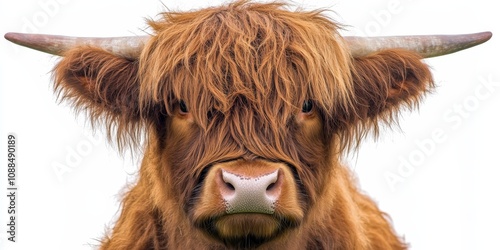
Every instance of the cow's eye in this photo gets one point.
(307, 107)
(183, 107)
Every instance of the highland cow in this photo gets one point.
(244, 113)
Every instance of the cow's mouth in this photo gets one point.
(246, 230)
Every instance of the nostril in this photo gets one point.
(273, 190)
(226, 188)
(271, 186)
(230, 186)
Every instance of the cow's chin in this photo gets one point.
(247, 230)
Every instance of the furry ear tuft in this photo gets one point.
(384, 83)
(386, 80)
(105, 86)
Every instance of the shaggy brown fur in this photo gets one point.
(243, 72)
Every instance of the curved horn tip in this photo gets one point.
(19, 38)
(466, 41)
(35, 41)
(485, 36)
(23, 39)
(12, 36)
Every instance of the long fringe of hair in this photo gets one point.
(261, 55)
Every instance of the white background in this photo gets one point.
(446, 195)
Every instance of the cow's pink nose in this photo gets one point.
(248, 194)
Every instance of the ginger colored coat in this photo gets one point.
(249, 88)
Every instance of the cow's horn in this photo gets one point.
(129, 47)
(427, 46)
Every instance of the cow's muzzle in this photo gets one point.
(243, 193)
(253, 200)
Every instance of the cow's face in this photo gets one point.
(247, 132)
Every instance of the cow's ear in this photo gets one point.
(386, 82)
(103, 85)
